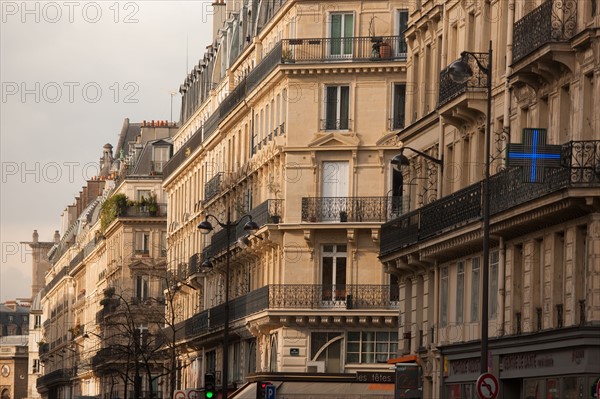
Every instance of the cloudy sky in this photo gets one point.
(70, 73)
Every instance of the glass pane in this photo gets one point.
(340, 272)
(327, 277)
(336, 33)
(352, 358)
(331, 107)
(327, 248)
(552, 389)
(344, 107)
(533, 389)
(348, 32)
(354, 336)
(341, 248)
(353, 347)
(382, 336)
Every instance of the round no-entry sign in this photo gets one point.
(487, 386)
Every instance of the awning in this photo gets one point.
(403, 359)
(320, 390)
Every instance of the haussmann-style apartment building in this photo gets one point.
(544, 264)
(102, 305)
(289, 117)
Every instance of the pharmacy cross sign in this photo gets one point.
(534, 155)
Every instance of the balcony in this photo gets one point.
(554, 21)
(351, 209)
(316, 50)
(160, 210)
(581, 160)
(450, 90)
(291, 297)
(212, 187)
(56, 377)
(269, 212)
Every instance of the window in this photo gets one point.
(163, 243)
(460, 291)
(211, 361)
(494, 259)
(337, 107)
(402, 25)
(141, 287)
(398, 106)
(143, 194)
(371, 346)
(333, 275)
(475, 289)
(36, 366)
(341, 32)
(141, 335)
(38, 321)
(444, 297)
(142, 243)
(160, 157)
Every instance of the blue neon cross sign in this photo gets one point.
(534, 155)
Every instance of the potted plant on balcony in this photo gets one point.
(287, 57)
(152, 204)
(274, 188)
(343, 216)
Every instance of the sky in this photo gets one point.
(71, 72)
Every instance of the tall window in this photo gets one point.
(444, 297)
(460, 291)
(337, 107)
(334, 273)
(402, 25)
(371, 346)
(398, 106)
(493, 310)
(142, 287)
(342, 30)
(211, 361)
(142, 243)
(475, 289)
(160, 157)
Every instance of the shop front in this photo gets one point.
(547, 365)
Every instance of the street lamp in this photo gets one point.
(206, 227)
(460, 72)
(401, 160)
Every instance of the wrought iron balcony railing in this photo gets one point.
(552, 21)
(380, 48)
(267, 212)
(581, 168)
(212, 187)
(295, 297)
(450, 89)
(336, 124)
(158, 210)
(55, 377)
(351, 209)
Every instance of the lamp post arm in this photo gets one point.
(484, 68)
(427, 156)
(237, 222)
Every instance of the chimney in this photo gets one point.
(56, 237)
(36, 236)
(219, 17)
(106, 160)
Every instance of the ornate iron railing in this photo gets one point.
(351, 209)
(212, 187)
(157, 210)
(262, 214)
(380, 48)
(294, 297)
(450, 89)
(54, 377)
(553, 21)
(336, 124)
(581, 168)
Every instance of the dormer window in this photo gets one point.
(160, 156)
